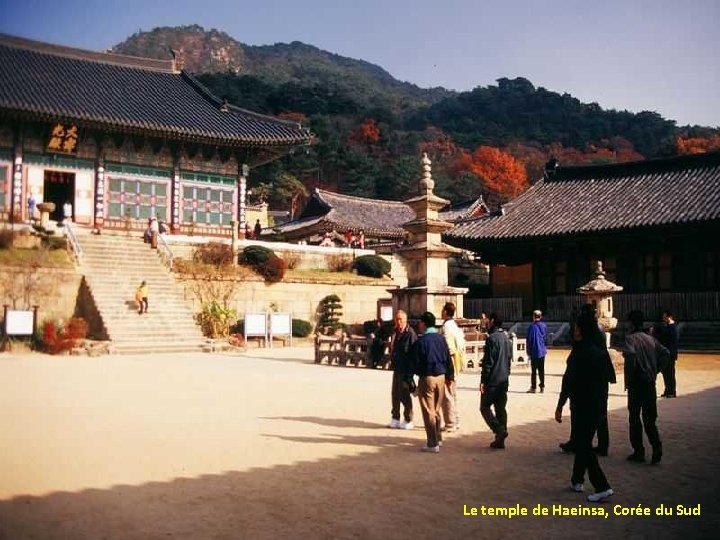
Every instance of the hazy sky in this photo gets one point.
(657, 55)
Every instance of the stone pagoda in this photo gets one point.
(425, 255)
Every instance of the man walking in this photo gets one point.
(536, 335)
(585, 382)
(644, 357)
(431, 361)
(403, 340)
(494, 380)
(455, 339)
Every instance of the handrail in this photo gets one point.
(165, 252)
(74, 244)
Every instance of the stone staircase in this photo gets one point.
(114, 266)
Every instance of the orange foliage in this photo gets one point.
(697, 145)
(367, 133)
(438, 146)
(614, 150)
(500, 172)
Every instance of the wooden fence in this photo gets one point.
(697, 306)
(509, 308)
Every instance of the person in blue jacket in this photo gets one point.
(536, 335)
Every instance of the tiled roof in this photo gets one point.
(465, 210)
(110, 91)
(376, 217)
(591, 199)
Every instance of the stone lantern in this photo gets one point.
(599, 292)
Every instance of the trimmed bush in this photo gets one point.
(256, 255)
(372, 266)
(330, 311)
(301, 328)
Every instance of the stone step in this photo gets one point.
(114, 267)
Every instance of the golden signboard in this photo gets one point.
(64, 139)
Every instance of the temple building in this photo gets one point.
(123, 139)
(380, 220)
(654, 225)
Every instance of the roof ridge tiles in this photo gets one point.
(320, 192)
(634, 168)
(140, 62)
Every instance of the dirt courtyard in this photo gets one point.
(267, 444)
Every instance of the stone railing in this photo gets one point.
(166, 254)
(73, 244)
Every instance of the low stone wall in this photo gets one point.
(55, 290)
(307, 257)
(302, 299)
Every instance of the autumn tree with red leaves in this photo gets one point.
(368, 133)
(500, 172)
(697, 145)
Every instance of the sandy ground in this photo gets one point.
(268, 445)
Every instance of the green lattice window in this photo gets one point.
(4, 179)
(139, 199)
(207, 205)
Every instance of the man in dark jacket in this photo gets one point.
(494, 380)
(667, 334)
(585, 382)
(644, 358)
(403, 340)
(432, 362)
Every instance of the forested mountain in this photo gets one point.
(371, 128)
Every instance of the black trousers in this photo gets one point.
(495, 397)
(669, 376)
(603, 432)
(642, 409)
(538, 367)
(585, 459)
(401, 395)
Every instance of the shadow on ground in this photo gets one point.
(394, 491)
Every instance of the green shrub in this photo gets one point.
(372, 266)
(301, 328)
(256, 255)
(330, 311)
(214, 319)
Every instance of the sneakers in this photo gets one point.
(405, 425)
(530, 391)
(578, 488)
(600, 495)
(656, 456)
(636, 457)
(431, 449)
(542, 389)
(395, 424)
